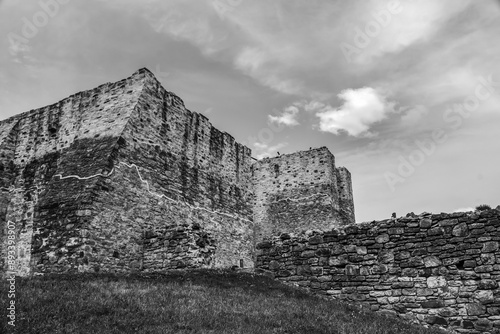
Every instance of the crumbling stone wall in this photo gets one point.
(73, 206)
(441, 269)
(71, 137)
(184, 155)
(302, 190)
(106, 179)
(133, 229)
(171, 167)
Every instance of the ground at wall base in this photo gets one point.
(195, 301)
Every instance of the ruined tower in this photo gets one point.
(301, 191)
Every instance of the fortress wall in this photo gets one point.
(346, 200)
(8, 133)
(71, 137)
(97, 113)
(176, 182)
(439, 269)
(187, 157)
(298, 191)
(65, 191)
(7, 174)
(139, 230)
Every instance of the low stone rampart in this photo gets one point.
(441, 269)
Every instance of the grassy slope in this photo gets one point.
(180, 302)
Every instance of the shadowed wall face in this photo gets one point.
(301, 191)
(72, 137)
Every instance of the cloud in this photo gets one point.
(263, 41)
(361, 108)
(260, 64)
(263, 150)
(313, 106)
(414, 115)
(391, 27)
(287, 118)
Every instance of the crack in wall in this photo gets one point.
(161, 196)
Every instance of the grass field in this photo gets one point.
(200, 301)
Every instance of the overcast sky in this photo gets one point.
(405, 94)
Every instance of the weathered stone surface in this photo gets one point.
(432, 261)
(436, 282)
(300, 191)
(383, 238)
(460, 230)
(436, 303)
(425, 223)
(490, 246)
(105, 177)
(484, 296)
(446, 277)
(475, 309)
(386, 256)
(483, 325)
(436, 320)
(487, 284)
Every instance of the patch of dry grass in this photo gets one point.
(200, 301)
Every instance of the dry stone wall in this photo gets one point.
(439, 269)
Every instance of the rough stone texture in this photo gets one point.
(73, 136)
(299, 191)
(105, 179)
(87, 179)
(439, 269)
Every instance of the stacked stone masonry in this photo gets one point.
(124, 177)
(85, 180)
(441, 269)
(301, 189)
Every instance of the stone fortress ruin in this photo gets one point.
(125, 178)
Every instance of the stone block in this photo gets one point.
(436, 282)
(475, 309)
(460, 230)
(432, 261)
(383, 238)
(490, 246)
(425, 223)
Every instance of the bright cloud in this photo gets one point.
(287, 118)
(392, 26)
(362, 107)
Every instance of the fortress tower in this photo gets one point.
(124, 177)
(300, 191)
